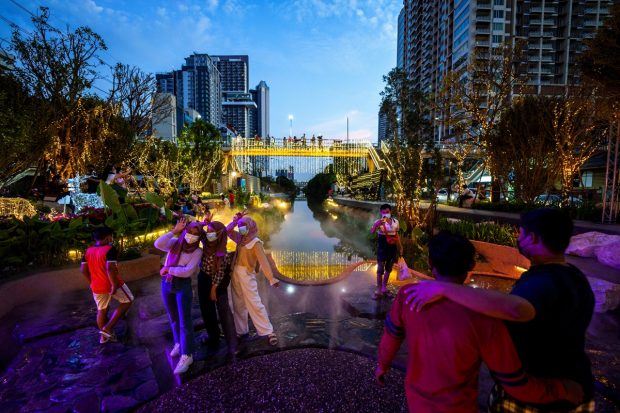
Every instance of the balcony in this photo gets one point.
(486, 18)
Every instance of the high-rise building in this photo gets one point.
(262, 103)
(165, 116)
(444, 35)
(382, 132)
(196, 86)
(237, 101)
(400, 48)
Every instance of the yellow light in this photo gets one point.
(233, 174)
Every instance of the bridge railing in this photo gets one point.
(299, 143)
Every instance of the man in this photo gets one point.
(466, 194)
(548, 310)
(447, 343)
(388, 247)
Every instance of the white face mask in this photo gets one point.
(386, 215)
(211, 236)
(191, 238)
(243, 230)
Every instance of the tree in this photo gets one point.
(572, 126)
(317, 187)
(133, 94)
(200, 154)
(472, 101)
(521, 149)
(407, 114)
(58, 68)
(158, 161)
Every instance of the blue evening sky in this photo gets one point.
(323, 60)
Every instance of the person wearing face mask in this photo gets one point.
(182, 262)
(388, 248)
(246, 300)
(213, 282)
(547, 312)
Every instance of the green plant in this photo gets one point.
(502, 234)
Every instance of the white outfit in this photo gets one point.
(245, 297)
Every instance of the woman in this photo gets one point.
(182, 262)
(213, 282)
(244, 288)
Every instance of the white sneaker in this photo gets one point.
(176, 350)
(183, 364)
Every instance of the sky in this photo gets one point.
(323, 60)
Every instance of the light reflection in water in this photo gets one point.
(312, 266)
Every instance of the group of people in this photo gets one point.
(194, 249)
(532, 340)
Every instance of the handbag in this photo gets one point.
(403, 270)
(392, 239)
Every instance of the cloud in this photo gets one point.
(92, 7)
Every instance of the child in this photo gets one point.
(244, 289)
(182, 262)
(388, 248)
(100, 268)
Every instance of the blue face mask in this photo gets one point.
(243, 230)
(211, 236)
(388, 215)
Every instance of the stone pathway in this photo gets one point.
(52, 361)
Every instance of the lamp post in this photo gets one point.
(290, 130)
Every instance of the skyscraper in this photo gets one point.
(236, 99)
(400, 48)
(197, 86)
(262, 103)
(444, 35)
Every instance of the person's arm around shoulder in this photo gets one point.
(393, 336)
(488, 302)
(500, 356)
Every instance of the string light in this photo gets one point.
(17, 207)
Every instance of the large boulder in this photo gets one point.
(586, 244)
(609, 254)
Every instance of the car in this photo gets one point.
(442, 196)
(556, 200)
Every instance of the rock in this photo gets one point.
(86, 403)
(118, 403)
(606, 295)
(147, 391)
(609, 254)
(586, 244)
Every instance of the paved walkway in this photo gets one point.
(52, 361)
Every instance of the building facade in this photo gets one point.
(196, 86)
(444, 35)
(237, 101)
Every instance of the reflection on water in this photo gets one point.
(312, 246)
(312, 266)
(491, 283)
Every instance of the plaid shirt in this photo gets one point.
(501, 402)
(208, 267)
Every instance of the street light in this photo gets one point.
(290, 131)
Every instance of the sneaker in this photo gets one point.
(183, 364)
(176, 350)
